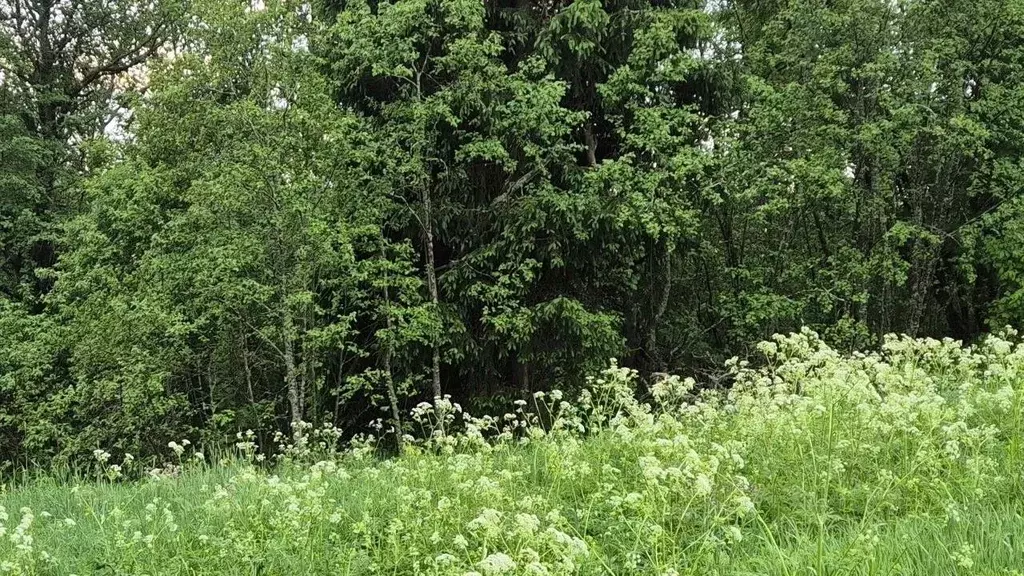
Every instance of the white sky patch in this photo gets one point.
(969, 87)
(277, 99)
(116, 128)
(714, 6)
(708, 144)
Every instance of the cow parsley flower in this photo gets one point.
(497, 563)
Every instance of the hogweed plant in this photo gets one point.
(906, 460)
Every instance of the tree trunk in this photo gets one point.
(591, 142)
(307, 384)
(338, 380)
(389, 383)
(428, 233)
(291, 374)
(210, 383)
(666, 291)
(525, 387)
(249, 389)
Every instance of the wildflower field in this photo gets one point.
(908, 460)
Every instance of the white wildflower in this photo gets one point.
(528, 523)
(498, 563)
(445, 559)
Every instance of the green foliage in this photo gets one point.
(860, 164)
(219, 215)
(222, 254)
(64, 67)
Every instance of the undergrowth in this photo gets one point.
(903, 461)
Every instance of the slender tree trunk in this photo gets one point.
(923, 278)
(337, 382)
(389, 382)
(306, 380)
(525, 387)
(922, 264)
(428, 233)
(392, 399)
(303, 380)
(822, 238)
(249, 389)
(210, 382)
(291, 374)
(428, 238)
(659, 312)
(591, 142)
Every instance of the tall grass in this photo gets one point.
(905, 461)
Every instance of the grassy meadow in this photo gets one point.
(905, 461)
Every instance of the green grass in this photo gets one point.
(805, 469)
(262, 542)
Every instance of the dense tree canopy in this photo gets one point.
(224, 215)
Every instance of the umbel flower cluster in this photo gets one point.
(811, 458)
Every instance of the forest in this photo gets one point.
(277, 215)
